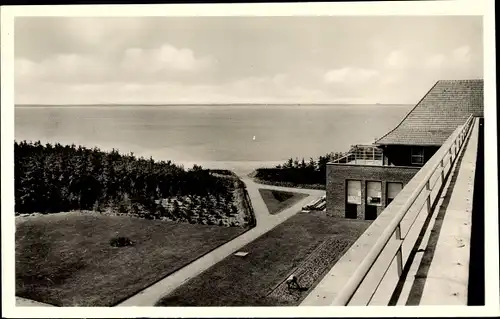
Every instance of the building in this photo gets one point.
(365, 181)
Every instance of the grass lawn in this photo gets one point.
(65, 259)
(277, 201)
(307, 244)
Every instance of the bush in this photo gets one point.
(121, 242)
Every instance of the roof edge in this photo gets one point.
(408, 114)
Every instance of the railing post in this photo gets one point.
(449, 151)
(399, 255)
(428, 200)
(442, 172)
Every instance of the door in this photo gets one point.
(351, 211)
(370, 212)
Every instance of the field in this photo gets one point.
(276, 201)
(66, 259)
(307, 245)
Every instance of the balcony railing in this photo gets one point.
(362, 154)
(422, 198)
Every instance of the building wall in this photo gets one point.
(400, 155)
(336, 184)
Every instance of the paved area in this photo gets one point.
(265, 222)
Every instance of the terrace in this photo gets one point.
(362, 155)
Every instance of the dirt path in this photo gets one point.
(265, 222)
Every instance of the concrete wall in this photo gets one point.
(336, 184)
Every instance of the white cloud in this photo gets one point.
(349, 75)
(458, 58)
(162, 59)
(397, 59)
(133, 64)
(435, 61)
(25, 69)
(266, 89)
(461, 55)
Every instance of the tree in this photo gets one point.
(303, 164)
(312, 164)
(52, 178)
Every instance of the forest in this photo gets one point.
(57, 178)
(298, 173)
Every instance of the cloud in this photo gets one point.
(157, 64)
(266, 89)
(397, 59)
(162, 59)
(459, 57)
(350, 75)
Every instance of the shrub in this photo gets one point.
(121, 242)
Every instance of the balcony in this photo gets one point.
(362, 155)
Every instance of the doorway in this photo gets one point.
(370, 212)
(351, 211)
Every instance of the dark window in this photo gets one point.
(417, 156)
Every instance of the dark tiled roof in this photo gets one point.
(446, 106)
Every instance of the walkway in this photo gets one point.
(265, 222)
(439, 274)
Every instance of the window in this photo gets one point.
(417, 156)
(374, 193)
(353, 195)
(393, 190)
(354, 192)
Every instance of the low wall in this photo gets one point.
(338, 174)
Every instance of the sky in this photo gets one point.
(169, 60)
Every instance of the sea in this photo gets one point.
(236, 137)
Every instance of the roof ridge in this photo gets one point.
(461, 80)
(411, 111)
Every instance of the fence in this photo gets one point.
(361, 154)
(422, 198)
